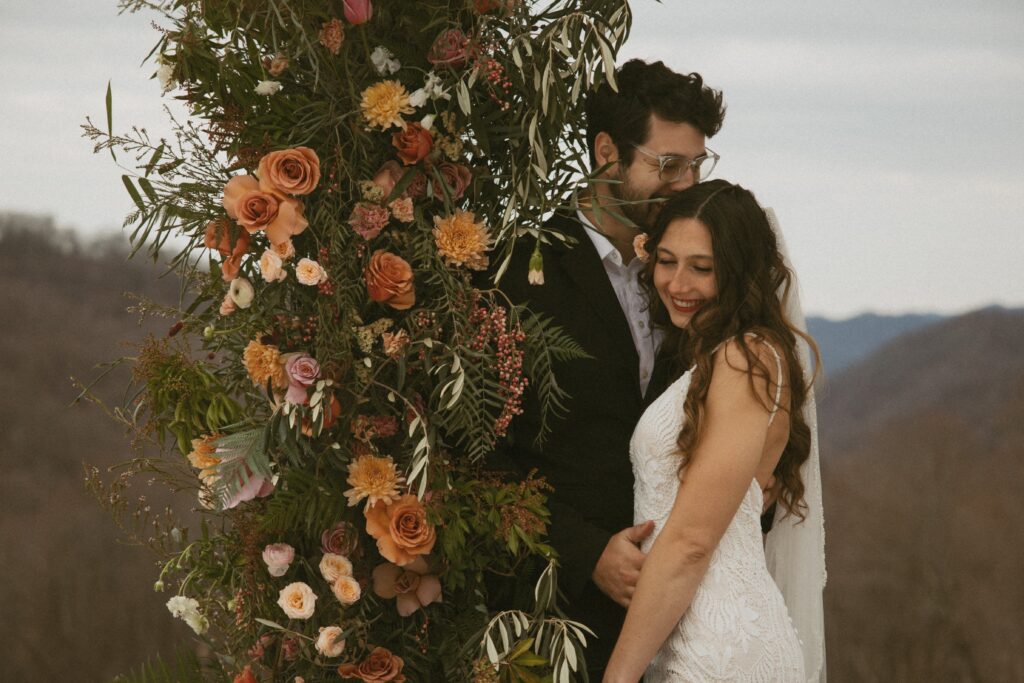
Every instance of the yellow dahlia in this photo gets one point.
(263, 362)
(384, 103)
(373, 478)
(461, 240)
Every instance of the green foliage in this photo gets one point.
(185, 668)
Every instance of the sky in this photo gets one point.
(888, 136)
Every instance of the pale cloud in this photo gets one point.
(887, 135)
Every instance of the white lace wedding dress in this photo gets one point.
(737, 627)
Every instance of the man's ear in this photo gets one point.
(605, 151)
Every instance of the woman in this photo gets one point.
(706, 607)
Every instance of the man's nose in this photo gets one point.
(688, 179)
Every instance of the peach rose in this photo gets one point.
(381, 666)
(272, 267)
(227, 306)
(294, 171)
(413, 144)
(389, 280)
(412, 586)
(297, 600)
(347, 590)
(329, 642)
(286, 250)
(309, 272)
(401, 529)
(333, 567)
(218, 236)
(256, 210)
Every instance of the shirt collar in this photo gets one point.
(603, 245)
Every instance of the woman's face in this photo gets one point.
(684, 269)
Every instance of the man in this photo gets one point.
(648, 139)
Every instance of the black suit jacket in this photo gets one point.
(586, 455)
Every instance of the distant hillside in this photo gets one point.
(844, 342)
(66, 577)
(923, 445)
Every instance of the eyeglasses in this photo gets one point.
(672, 167)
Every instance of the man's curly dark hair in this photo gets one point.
(646, 89)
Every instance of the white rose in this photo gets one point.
(329, 643)
(278, 557)
(309, 272)
(241, 292)
(268, 88)
(335, 566)
(297, 600)
(272, 267)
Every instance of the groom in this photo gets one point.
(649, 137)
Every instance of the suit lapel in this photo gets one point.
(582, 265)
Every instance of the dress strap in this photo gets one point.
(778, 371)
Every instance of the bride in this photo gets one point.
(708, 604)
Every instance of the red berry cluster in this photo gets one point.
(291, 331)
(498, 80)
(493, 329)
(327, 286)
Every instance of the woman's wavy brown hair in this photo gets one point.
(752, 281)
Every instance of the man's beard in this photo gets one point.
(642, 213)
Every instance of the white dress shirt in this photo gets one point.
(632, 299)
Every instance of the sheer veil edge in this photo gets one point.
(795, 550)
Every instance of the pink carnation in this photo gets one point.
(369, 219)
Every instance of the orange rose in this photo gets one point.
(413, 144)
(255, 210)
(293, 171)
(218, 236)
(381, 666)
(330, 415)
(246, 676)
(401, 529)
(389, 280)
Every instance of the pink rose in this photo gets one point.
(341, 539)
(451, 49)
(457, 177)
(278, 556)
(302, 370)
(357, 11)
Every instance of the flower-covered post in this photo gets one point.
(349, 174)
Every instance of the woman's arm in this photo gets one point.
(715, 481)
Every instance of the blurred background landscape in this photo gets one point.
(922, 428)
